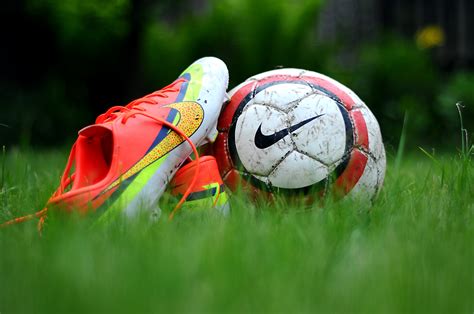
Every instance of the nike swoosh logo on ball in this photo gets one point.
(263, 141)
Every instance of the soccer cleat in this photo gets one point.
(208, 191)
(124, 162)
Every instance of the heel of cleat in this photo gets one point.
(209, 191)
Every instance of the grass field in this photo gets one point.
(412, 252)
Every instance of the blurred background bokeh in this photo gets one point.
(64, 62)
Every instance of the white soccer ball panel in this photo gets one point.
(236, 89)
(376, 147)
(323, 138)
(256, 160)
(296, 171)
(282, 96)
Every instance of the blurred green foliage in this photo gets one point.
(395, 78)
(282, 33)
(89, 22)
(460, 87)
(96, 54)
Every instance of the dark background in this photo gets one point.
(64, 62)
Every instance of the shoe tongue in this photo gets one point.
(94, 150)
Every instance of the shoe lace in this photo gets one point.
(128, 111)
(133, 107)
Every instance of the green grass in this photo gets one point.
(412, 252)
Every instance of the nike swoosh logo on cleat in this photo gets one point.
(191, 117)
(263, 141)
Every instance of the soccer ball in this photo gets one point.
(297, 131)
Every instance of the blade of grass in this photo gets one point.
(2, 180)
(401, 144)
(464, 143)
(436, 162)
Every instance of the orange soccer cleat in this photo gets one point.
(208, 191)
(123, 162)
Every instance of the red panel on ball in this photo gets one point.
(351, 175)
(227, 114)
(347, 100)
(233, 180)
(360, 128)
(221, 152)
